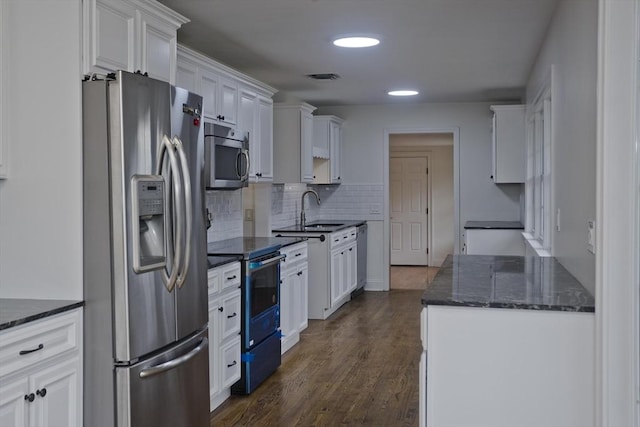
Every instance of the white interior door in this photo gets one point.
(408, 210)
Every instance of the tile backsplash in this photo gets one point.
(225, 211)
(337, 202)
(345, 201)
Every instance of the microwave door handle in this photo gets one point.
(245, 153)
(188, 219)
(166, 147)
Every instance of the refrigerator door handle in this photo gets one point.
(174, 363)
(167, 147)
(186, 182)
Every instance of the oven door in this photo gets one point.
(262, 298)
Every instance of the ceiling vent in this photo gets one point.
(325, 76)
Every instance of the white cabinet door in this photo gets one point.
(58, 400)
(14, 406)
(303, 296)
(306, 149)
(509, 143)
(157, 48)
(247, 121)
(335, 131)
(111, 40)
(187, 76)
(337, 275)
(265, 135)
(351, 262)
(215, 383)
(209, 92)
(230, 355)
(228, 101)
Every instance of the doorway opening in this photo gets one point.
(422, 208)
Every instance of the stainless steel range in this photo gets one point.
(260, 332)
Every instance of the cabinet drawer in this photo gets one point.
(230, 362)
(230, 314)
(49, 337)
(294, 253)
(230, 277)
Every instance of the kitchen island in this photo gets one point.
(507, 340)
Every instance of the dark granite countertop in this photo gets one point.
(320, 226)
(494, 225)
(14, 311)
(249, 247)
(216, 261)
(532, 283)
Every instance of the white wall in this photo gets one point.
(41, 202)
(363, 152)
(571, 47)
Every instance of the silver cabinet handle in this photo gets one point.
(166, 366)
(259, 264)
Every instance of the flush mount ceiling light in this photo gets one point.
(356, 41)
(403, 92)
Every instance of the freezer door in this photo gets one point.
(143, 311)
(168, 390)
(192, 310)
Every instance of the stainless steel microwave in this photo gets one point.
(226, 157)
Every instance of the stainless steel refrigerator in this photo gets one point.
(145, 278)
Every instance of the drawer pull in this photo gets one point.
(232, 315)
(30, 397)
(42, 393)
(299, 273)
(298, 254)
(232, 364)
(23, 352)
(232, 277)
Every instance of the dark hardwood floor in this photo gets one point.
(357, 368)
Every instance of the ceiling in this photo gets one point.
(449, 50)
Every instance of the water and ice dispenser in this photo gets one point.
(148, 225)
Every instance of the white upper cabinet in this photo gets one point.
(509, 143)
(327, 140)
(235, 100)
(131, 35)
(293, 143)
(255, 115)
(227, 101)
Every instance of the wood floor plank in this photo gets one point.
(357, 368)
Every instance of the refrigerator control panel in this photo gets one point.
(148, 222)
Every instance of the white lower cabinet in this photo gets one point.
(494, 242)
(506, 367)
(224, 331)
(42, 387)
(294, 286)
(344, 266)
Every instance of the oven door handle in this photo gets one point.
(259, 264)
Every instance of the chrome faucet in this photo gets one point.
(303, 219)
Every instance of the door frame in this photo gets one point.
(414, 154)
(386, 249)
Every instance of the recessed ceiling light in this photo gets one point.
(356, 42)
(402, 92)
